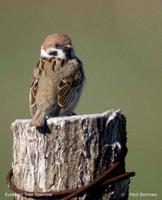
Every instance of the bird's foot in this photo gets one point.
(44, 129)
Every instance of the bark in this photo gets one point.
(77, 150)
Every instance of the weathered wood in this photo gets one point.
(72, 155)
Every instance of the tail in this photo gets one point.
(38, 119)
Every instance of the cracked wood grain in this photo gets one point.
(72, 155)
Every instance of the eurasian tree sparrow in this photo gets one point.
(57, 80)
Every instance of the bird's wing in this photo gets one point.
(34, 86)
(71, 81)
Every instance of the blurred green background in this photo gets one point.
(120, 43)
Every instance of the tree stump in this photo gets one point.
(77, 150)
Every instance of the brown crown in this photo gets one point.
(52, 39)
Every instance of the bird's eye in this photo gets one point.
(57, 45)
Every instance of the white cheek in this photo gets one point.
(44, 54)
(60, 54)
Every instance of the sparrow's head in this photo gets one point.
(57, 45)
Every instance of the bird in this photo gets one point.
(57, 80)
